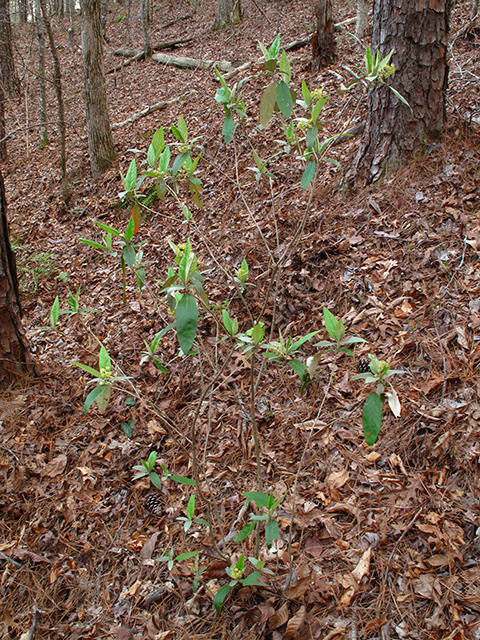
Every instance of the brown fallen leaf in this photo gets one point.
(280, 617)
(56, 466)
(149, 546)
(295, 623)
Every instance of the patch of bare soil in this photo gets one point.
(375, 542)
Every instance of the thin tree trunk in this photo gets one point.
(417, 31)
(363, 7)
(100, 141)
(71, 28)
(324, 45)
(147, 48)
(228, 12)
(104, 11)
(42, 89)
(3, 142)
(11, 83)
(57, 82)
(15, 357)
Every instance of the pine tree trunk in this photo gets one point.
(3, 143)
(42, 89)
(417, 31)
(228, 12)
(15, 357)
(8, 77)
(324, 45)
(100, 141)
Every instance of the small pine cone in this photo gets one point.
(363, 365)
(154, 504)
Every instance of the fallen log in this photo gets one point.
(191, 63)
(154, 107)
(130, 53)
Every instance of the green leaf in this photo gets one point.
(130, 179)
(311, 137)
(155, 480)
(372, 417)
(95, 245)
(264, 50)
(187, 555)
(183, 480)
(128, 253)
(252, 579)
(228, 129)
(220, 596)
(271, 532)
(331, 323)
(108, 229)
(190, 510)
(54, 312)
(101, 394)
(223, 83)
(318, 108)
(179, 160)
(284, 98)
(245, 532)
(127, 428)
(296, 345)
(285, 67)
(275, 47)
(400, 97)
(306, 93)
(308, 174)
(260, 499)
(164, 160)
(104, 361)
(88, 369)
(129, 229)
(298, 367)
(227, 322)
(187, 321)
(271, 65)
(267, 104)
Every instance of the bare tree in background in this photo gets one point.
(228, 12)
(363, 7)
(324, 45)
(147, 48)
(100, 141)
(3, 142)
(42, 89)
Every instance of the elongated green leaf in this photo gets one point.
(311, 137)
(187, 555)
(267, 104)
(179, 160)
(92, 243)
(183, 480)
(318, 108)
(271, 65)
(296, 345)
(220, 596)
(245, 532)
(252, 579)
(101, 395)
(54, 312)
(372, 418)
(104, 361)
(88, 369)
(400, 97)
(155, 480)
(223, 83)
(308, 174)
(228, 129)
(275, 47)
(227, 321)
(108, 229)
(298, 367)
(129, 229)
(331, 323)
(271, 532)
(128, 253)
(306, 93)
(285, 68)
(187, 321)
(130, 179)
(284, 98)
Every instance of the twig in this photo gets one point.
(151, 109)
(15, 563)
(34, 622)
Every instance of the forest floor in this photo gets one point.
(375, 542)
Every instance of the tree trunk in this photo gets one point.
(3, 142)
(228, 12)
(324, 45)
(15, 357)
(363, 7)
(57, 82)
(100, 141)
(42, 89)
(417, 31)
(147, 48)
(11, 83)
